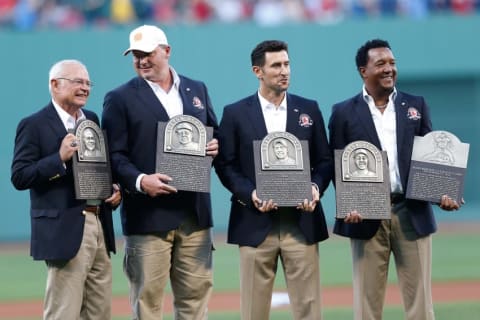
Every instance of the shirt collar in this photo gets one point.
(68, 120)
(368, 98)
(175, 77)
(267, 105)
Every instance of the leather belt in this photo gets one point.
(92, 209)
(396, 198)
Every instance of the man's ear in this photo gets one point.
(257, 71)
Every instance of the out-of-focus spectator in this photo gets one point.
(122, 11)
(295, 10)
(96, 12)
(269, 12)
(199, 11)
(63, 16)
(324, 11)
(35, 14)
(144, 9)
(26, 14)
(7, 8)
(416, 9)
(463, 6)
(231, 10)
(165, 12)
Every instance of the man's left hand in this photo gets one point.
(309, 206)
(116, 197)
(212, 148)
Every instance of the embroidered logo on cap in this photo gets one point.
(413, 114)
(304, 120)
(197, 103)
(138, 36)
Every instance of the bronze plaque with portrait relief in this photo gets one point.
(362, 181)
(282, 169)
(181, 153)
(438, 167)
(91, 163)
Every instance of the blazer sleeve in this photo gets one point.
(29, 167)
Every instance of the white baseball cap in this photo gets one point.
(146, 38)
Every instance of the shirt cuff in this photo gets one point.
(138, 185)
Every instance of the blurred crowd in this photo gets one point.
(65, 14)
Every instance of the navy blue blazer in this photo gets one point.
(55, 214)
(241, 124)
(351, 120)
(130, 116)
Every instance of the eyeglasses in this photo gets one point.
(79, 82)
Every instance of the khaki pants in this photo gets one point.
(81, 288)
(184, 256)
(413, 260)
(300, 261)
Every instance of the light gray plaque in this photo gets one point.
(181, 153)
(362, 181)
(91, 163)
(438, 167)
(282, 169)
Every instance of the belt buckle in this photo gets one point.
(92, 209)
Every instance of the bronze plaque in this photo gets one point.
(91, 163)
(181, 153)
(282, 169)
(362, 181)
(438, 167)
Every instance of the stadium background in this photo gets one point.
(436, 56)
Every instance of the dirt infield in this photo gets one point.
(332, 297)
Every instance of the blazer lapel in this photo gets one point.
(293, 113)
(255, 116)
(150, 100)
(188, 100)
(54, 122)
(401, 119)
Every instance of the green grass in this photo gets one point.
(455, 258)
(457, 311)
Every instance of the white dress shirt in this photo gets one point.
(386, 127)
(275, 116)
(172, 103)
(171, 100)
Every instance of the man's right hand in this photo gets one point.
(353, 217)
(157, 184)
(68, 147)
(263, 206)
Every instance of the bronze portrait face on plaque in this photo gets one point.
(185, 134)
(362, 161)
(281, 151)
(92, 142)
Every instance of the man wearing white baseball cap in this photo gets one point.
(146, 38)
(167, 232)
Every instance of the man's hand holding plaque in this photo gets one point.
(185, 150)
(282, 173)
(362, 183)
(437, 170)
(91, 163)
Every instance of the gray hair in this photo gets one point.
(57, 69)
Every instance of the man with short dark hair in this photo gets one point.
(389, 119)
(265, 233)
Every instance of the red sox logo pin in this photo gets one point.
(304, 120)
(413, 114)
(197, 103)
